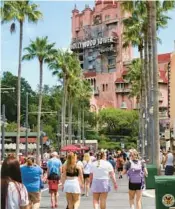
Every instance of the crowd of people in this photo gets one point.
(75, 174)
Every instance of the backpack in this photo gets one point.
(54, 170)
(135, 172)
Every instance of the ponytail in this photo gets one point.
(100, 156)
(30, 161)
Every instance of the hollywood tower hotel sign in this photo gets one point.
(97, 39)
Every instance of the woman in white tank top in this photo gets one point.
(169, 167)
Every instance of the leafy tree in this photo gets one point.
(118, 123)
(134, 77)
(19, 11)
(9, 99)
(42, 50)
(11, 127)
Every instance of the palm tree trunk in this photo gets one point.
(65, 92)
(150, 78)
(142, 104)
(39, 113)
(83, 130)
(62, 113)
(19, 89)
(79, 126)
(146, 90)
(70, 107)
(65, 103)
(156, 143)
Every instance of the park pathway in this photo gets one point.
(116, 199)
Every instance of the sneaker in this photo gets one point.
(132, 207)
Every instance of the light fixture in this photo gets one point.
(123, 105)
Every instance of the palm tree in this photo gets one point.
(19, 11)
(134, 78)
(65, 65)
(85, 92)
(43, 51)
(139, 23)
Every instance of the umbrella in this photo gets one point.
(70, 148)
(82, 147)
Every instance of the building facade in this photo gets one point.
(172, 92)
(97, 38)
(163, 65)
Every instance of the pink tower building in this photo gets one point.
(97, 38)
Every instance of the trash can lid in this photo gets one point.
(165, 178)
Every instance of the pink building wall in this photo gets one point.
(105, 82)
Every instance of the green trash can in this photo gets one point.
(152, 172)
(165, 192)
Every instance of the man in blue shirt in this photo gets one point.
(54, 165)
(31, 178)
(54, 172)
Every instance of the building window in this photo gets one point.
(111, 62)
(103, 87)
(89, 54)
(106, 87)
(107, 17)
(81, 24)
(77, 34)
(100, 34)
(81, 58)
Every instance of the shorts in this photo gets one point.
(120, 169)
(100, 185)
(135, 186)
(54, 176)
(53, 186)
(169, 170)
(72, 186)
(86, 176)
(34, 197)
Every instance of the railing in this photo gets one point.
(122, 90)
(163, 114)
(111, 21)
(111, 66)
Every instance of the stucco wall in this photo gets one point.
(172, 90)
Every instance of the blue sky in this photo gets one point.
(56, 24)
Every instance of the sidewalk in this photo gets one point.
(116, 199)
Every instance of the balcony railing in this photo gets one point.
(109, 21)
(163, 114)
(123, 90)
(111, 65)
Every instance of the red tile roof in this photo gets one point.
(33, 140)
(119, 80)
(89, 74)
(164, 57)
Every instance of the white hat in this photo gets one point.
(54, 154)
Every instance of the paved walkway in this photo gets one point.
(116, 199)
